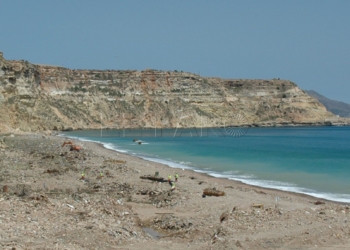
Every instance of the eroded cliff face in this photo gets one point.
(40, 97)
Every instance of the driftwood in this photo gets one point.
(260, 206)
(52, 171)
(114, 161)
(67, 143)
(213, 192)
(319, 203)
(153, 178)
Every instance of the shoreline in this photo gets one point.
(49, 205)
(206, 175)
(189, 168)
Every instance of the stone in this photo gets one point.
(66, 99)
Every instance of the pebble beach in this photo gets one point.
(55, 198)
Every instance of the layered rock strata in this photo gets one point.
(40, 97)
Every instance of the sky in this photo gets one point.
(304, 41)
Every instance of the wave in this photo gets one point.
(107, 145)
(290, 187)
(231, 175)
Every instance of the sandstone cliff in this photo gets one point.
(41, 97)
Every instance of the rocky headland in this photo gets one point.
(44, 98)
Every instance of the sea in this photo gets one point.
(308, 160)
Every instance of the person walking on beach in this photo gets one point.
(169, 178)
(176, 177)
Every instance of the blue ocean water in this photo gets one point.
(310, 160)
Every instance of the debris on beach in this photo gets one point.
(213, 192)
(259, 206)
(172, 223)
(153, 178)
(45, 205)
(67, 143)
(224, 216)
(319, 203)
(114, 161)
(75, 148)
(52, 171)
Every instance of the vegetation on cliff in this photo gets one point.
(41, 97)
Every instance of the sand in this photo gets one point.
(46, 204)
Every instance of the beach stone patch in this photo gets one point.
(247, 220)
(22, 190)
(124, 189)
(164, 198)
(46, 205)
(171, 223)
(26, 160)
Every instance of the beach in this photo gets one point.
(54, 198)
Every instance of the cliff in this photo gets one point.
(40, 97)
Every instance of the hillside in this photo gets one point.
(39, 97)
(338, 108)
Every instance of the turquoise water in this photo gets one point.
(310, 160)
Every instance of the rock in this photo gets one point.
(319, 203)
(67, 129)
(36, 97)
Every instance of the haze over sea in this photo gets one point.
(309, 160)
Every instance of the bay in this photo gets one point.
(309, 160)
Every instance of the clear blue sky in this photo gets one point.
(305, 41)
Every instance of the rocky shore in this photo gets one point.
(55, 198)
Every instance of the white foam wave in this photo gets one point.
(231, 172)
(290, 187)
(104, 144)
(187, 163)
(232, 175)
(113, 147)
(167, 162)
(278, 185)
